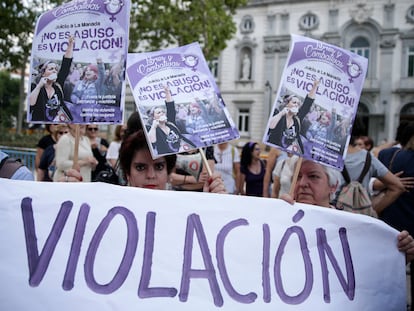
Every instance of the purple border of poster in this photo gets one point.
(184, 71)
(321, 126)
(101, 31)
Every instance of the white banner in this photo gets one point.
(93, 246)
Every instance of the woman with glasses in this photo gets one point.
(252, 170)
(65, 151)
(46, 98)
(99, 147)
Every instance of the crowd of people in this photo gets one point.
(390, 178)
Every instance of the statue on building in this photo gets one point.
(246, 64)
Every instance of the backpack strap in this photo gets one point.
(392, 159)
(8, 166)
(365, 170)
(345, 174)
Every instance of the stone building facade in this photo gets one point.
(249, 69)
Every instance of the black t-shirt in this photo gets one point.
(45, 142)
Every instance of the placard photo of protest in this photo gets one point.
(77, 69)
(178, 100)
(317, 101)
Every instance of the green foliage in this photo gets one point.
(159, 24)
(9, 99)
(16, 24)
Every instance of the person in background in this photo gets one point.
(181, 180)
(47, 165)
(142, 171)
(70, 175)
(282, 175)
(275, 155)
(354, 163)
(113, 149)
(395, 143)
(65, 151)
(44, 142)
(99, 147)
(365, 142)
(399, 160)
(228, 164)
(13, 169)
(252, 170)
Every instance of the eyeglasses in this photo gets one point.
(92, 129)
(61, 133)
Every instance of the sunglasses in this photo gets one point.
(61, 133)
(92, 129)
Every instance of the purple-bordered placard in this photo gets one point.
(193, 115)
(88, 87)
(317, 101)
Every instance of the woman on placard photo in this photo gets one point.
(163, 133)
(285, 125)
(46, 98)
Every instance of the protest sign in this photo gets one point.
(95, 246)
(316, 124)
(178, 100)
(83, 81)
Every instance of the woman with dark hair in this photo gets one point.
(46, 98)
(252, 170)
(142, 171)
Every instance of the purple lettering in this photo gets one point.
(68, 279)
(143, 290)
(248, 298)
(302, 296)
(130, 248)
(39, 264)
(324, 249)
(194, 225)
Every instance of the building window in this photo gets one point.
(247, 24)
(243, 121)
(360, 46)
(410, 71)
(410, 15)
(308, 21)
(213, 65)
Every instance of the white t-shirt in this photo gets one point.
(284, 170)
(224, 165)
(113, 150)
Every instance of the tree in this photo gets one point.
(9, 99)
(159, 24)
(17, 24)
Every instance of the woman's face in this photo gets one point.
(194, 109)
(92, 131)
(312, 186)
(51, 70)
(146, 172)
(90, 74)
(324, 119)
(293, 105)
(158, 113)
(256, 152)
